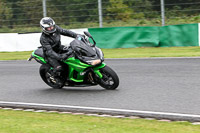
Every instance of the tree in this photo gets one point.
(28, 12)
(5, 14)
(117, 10)
(142, 9)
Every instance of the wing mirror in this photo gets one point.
(90, 36)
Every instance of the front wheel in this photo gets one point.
(110, 80)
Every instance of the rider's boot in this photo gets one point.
(56, 75)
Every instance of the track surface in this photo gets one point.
(161, 85)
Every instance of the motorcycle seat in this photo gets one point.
(39, 52)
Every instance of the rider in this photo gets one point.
(50, 41)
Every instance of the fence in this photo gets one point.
(24, 15)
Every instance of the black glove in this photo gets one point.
(63, 56)
(69, 52)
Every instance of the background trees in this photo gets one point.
(6, 13)
(80, 14)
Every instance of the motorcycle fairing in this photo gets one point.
(77, 69)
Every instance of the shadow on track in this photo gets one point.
(77, 90)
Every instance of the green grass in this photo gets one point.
(29, 122)
(152, 52)
(15, 55)
(124, 53)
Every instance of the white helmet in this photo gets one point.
(48, 25)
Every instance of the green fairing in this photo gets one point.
(40, 58)
(96, 69)
(79, 67)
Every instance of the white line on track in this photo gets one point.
(101, 109)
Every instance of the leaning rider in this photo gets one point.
(50, 41)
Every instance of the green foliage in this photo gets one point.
(71, 12)
(175, 11)
(24, 15)
(5, 13)
(118, 10)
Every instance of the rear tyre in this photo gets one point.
(45, 73)
(110, 80)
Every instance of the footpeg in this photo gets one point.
(29, 59)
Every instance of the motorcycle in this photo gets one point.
(84, 67)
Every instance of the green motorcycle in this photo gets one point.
(84, 67)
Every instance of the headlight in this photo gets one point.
(94, 62)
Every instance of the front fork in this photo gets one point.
(98, 75)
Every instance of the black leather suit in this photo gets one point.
(52, 47)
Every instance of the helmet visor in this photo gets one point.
(51, 28)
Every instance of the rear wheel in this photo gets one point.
(49, 79)
(110, 80)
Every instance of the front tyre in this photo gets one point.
(110, 80)
(45, 73)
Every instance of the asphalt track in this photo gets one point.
(157, 87)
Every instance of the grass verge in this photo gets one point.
(29, 122)
(15, 55)
(152, 52)
(124, 53)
